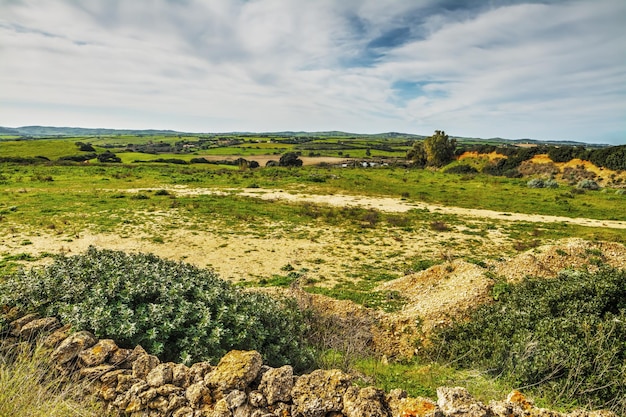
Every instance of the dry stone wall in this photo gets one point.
(133, 383)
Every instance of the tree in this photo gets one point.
(108, 156)
(290, 159)
(417, 154)
(439, 149)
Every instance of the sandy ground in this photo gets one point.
(397, 205)
(327, 256)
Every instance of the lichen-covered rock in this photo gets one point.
(160, 375)
(236, 399)
(198, 371)
(180, 375)
(16, 325)
(119, 358)
(38, 327)
(144, 364)
(403, 406)
(198, 394)
(184, 412)
(95, 372)
(257, 399)
(458, 401)
(54, 339)
(367, 401)
(69, 348)
(221, 409)
(235, 371)
(319, 393)
(98, 353)
(276, 384)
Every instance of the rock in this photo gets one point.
(221, 409)
(180, 375)
(160, 404)
(169, 389)
(403, 406)
(119, 358)
(143, 365)
(257, 399)
(198, 394)
(235, 371)
(55, 338)
(198, 371)
(37, 327)
(16, 325)
(458, 402)
(319, 393)
(69, 348)
(160, 375)
(183, 412)
(95, 372)
(367, 401)
(98, 353)
(276, 384)
(125, 381)
(236, 399)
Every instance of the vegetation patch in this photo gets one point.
(174, 310)
(562, 337)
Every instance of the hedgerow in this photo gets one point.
(173, 309)
(562, 337)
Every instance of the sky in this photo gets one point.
(552, 70)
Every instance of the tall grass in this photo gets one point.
(30, 388)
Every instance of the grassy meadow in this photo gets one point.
(195, 212)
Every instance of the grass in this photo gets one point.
(29, 387)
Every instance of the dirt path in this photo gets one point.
(389, 204)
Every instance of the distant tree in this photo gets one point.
(439, 149)
(290, 159)
(108, 156)
(417, 154)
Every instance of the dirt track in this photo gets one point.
(389, 204)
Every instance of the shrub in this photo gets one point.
(174, 310)
(587, 184)
(563, 336)
(462, 169)
(550, 183)
(541, 183)
(535, 183)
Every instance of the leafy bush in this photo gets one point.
(563, 336)
(541, 183)
(174, 310)
(587, 184)
(535, 183)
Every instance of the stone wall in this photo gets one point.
(134, 383)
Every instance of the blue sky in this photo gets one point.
(507, 68)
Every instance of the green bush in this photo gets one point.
(563, 336)
(587, 184)
(174, 310)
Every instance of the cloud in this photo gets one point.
(499, 68)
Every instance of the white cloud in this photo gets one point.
(541, 70)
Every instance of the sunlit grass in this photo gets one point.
(29, 387)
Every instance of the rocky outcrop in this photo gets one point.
(136, 384)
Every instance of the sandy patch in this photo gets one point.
(389, 204)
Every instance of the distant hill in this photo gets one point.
(35, 132)
(48, 131)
